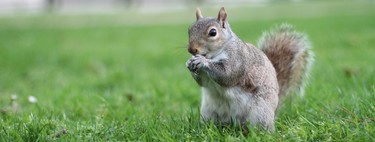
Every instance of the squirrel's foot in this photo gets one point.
(195, 63)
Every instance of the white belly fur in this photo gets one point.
(234, 106)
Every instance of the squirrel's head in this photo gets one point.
(208, 34)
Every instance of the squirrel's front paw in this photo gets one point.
(195, 63)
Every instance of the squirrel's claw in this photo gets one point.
(195, 63)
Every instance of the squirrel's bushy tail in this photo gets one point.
(290, 54)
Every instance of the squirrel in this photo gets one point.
(241, 83)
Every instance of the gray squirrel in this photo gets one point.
(240, 83)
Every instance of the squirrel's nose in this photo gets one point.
(193, 50)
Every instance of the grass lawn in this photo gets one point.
(123, 78)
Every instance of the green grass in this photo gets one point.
(98, 78)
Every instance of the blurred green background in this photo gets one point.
(115, 71)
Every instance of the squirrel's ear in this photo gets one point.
(198, 14)
(222, 17)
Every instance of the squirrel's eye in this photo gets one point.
(212, 33)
